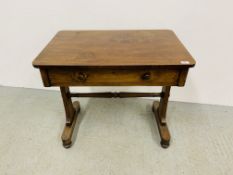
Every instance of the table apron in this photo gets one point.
(65, 76)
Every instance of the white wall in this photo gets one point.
(205, 28)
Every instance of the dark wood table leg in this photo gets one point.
(160, 110)
(71, 110)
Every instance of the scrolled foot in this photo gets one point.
(68, 129)
(162, 127)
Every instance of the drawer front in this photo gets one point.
(111, 77)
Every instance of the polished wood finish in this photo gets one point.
(114, 58)
(68, 129)
(45, 77)
(182, 77)
(69, 109)
(163, 104)
(113, 77)
(162, 127)
(122, 48)
(116, 94)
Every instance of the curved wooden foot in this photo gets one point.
(68, 130)
(162, 127)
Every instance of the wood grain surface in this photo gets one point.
(115, 48)
(113, 77)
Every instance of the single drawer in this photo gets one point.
(67, 76)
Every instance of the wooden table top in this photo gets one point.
(115, 48)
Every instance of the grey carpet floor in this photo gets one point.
(113, 137)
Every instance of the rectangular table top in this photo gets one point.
(115, 48)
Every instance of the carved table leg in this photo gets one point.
(71, 110)
(160, 116)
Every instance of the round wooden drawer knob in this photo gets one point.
(82, 76)
(146, 76)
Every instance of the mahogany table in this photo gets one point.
(114, 58)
